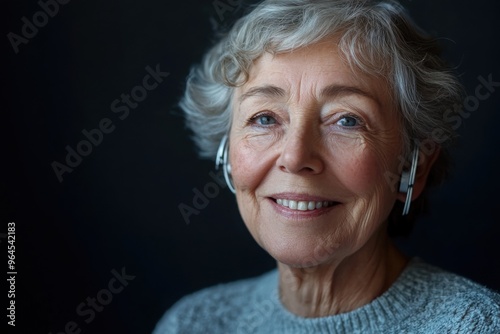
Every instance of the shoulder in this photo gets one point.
(453, 301)
(216, 308)
(444, 284)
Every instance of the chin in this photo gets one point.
(300, 251)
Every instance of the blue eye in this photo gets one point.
(348, 121)
(265, 120)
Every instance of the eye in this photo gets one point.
(263, 120)
(266, 120)
(349, 121)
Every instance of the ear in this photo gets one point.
(425, 162)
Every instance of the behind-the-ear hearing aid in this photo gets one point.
(408, 180)
(222, 159)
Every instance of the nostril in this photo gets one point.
(310, 167)
(300, 155)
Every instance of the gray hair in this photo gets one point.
(374, 37)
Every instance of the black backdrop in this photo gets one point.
(118, 208)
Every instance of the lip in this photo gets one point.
(297, 214)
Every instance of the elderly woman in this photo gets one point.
(327, 118)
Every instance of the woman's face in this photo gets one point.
(310, 143)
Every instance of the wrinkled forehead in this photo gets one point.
(310, 71)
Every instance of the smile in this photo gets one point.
(304, 205)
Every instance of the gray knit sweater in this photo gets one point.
(424, 299)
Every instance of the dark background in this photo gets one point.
(119, 207)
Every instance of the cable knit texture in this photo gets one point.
(424, 299)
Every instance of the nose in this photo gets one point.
(301, 152)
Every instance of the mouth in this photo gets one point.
(303, 205)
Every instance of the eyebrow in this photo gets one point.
(265, 91)
(331, 91)
(335, 90)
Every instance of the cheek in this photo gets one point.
(248, 169)
(360, 170)
(241, 171)
(249, 165)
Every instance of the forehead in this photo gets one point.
(307, 71)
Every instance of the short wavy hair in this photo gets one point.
(375, 37)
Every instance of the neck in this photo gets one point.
(341, 286)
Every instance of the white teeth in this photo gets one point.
(303, 205)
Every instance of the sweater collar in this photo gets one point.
(386, 310)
